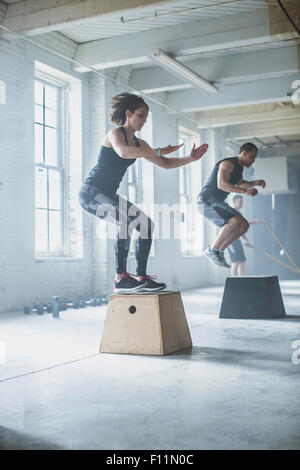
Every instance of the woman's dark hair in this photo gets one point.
(248, 147)
(122, 103)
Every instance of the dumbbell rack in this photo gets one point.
(56, 306)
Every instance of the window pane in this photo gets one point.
(41, 188)
(50, 147)
(50, 97)
(55, 232)
(38, 149)
(38, 113)
(181, 180)
(132, 194)
(50, 117)
(182, 150)
(54, 190)
(41, 232)
(184, 224)
(189, 178)
(130, 175)
(38, 92)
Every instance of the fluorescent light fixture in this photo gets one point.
(176, 68)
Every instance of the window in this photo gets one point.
(49, 168)
(140, 175)
(141, 179)
(58, 163)
(189, 187)
(134, 191)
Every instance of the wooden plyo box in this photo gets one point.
(145, 324)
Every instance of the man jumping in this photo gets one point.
(225, 178)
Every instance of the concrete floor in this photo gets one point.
(236, 389)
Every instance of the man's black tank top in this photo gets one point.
(108, 173)
(211, 186)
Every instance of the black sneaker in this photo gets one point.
(128, 284)
(151, 285)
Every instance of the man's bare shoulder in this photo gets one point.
(226, 165)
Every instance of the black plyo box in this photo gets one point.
(252, 297)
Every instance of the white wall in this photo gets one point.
(25, 280)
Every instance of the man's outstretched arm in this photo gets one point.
(225, 170)
(251, 184)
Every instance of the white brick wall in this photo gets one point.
(98, 255)
(23, 280)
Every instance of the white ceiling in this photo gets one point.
(151, 18)
(178, 13)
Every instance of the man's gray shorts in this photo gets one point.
(216, 210)
(236, 252)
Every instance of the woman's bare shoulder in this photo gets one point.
(110, 136)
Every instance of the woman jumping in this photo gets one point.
(98, 194)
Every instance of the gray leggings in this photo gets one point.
(124, 214)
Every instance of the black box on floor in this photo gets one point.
(253, 297)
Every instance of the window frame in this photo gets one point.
(61, 149)
(137, 172)
(185, 188)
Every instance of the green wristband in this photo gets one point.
(158, 151)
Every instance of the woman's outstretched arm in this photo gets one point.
(176, 162)
(119, 145)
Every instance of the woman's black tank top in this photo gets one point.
(108, 173)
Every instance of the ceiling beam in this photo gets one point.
(269, 129)
(273, 150)
(211, 120)
(32, 17)
(281, 141)
(263, 144)
(237, 94)
(237, 68)
(280, 24)
(234, 31)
